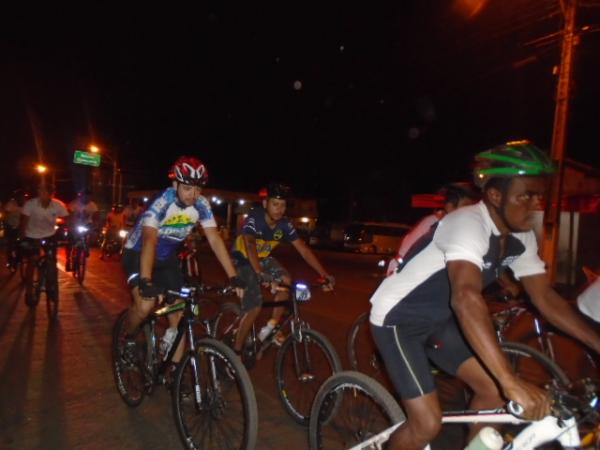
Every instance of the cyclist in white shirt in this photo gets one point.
(436, 297)
(456, 195)
(38, 221)
(83, 211)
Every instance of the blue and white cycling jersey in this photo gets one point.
(172, 222)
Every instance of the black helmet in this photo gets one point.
(278, 190)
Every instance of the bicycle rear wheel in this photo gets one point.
(225, 416)
(301, 367)
(350, 408)
(128, 363)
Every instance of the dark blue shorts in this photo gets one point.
(407, 355)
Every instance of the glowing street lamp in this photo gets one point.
(41, 169)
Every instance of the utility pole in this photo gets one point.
(559, 136)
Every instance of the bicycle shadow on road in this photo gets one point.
(14, 380)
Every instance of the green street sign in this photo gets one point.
(86, 158)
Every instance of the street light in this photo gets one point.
(41, 169)
(115, 170)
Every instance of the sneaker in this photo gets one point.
(266, 330)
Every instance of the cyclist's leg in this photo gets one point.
(454, 356)
(251, 303)
(167, 274)
(140, 308)
(273, 267)
(33, 256)
(405, 358)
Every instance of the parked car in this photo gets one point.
(374, 237)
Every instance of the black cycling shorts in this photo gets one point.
(407, 355)
(253, 294)
(166, 273)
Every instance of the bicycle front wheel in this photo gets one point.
(350, 408)
(301, 367)
(213, 400)
(128, 362)
(362, 351)
(79, 265)
(534, 366)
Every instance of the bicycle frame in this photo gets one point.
(548, 429)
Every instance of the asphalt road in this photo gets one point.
(56, 383)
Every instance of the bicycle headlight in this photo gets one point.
(302, 292)
(122, 234)
(81, 229)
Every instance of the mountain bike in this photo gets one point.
(353, 411)
(80, 251)
(213, 400)
(529, 363)
(305, 359)
(44, 274)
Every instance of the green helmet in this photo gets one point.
(513, 159)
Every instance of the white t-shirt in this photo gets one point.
(82, 213)
(421, 290)
(42, 220)
(589, 301)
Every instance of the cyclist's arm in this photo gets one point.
(558, 311)
(309, 257)
(474, 318)
(250, 243)
(220, 250)
(148, 253)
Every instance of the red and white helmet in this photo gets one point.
(189, 170)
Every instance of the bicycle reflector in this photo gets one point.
(302, 292)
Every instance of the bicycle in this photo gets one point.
(353, 411)
(112, 243)
(213, 400)
(80, 251)
(529, 363)
(44, 274)
(305, 359)
(516, 319)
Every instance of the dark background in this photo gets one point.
(395, 97)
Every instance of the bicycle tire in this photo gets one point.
(129, 375)
(79, 265)
(296, 400)
(225, 330)
(362, 352)
(566, 352)
(349, 408)
(230, 396)
(533, 366)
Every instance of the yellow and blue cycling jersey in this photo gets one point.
(267, 238)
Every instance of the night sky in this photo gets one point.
(358, 106)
